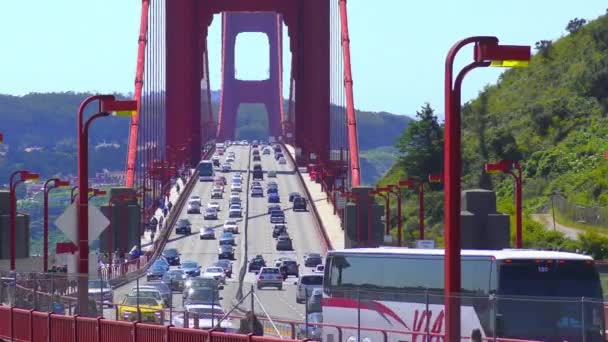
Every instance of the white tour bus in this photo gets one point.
(517, 294)
(205, 171)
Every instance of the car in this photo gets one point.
(225, 252)
(226, 167)
(235, 211)
(255, 152)
(208, 318)
(312, 259)
(147, 292)
(271, 173)
(214, 205)
(272, 185)
(291, 267)
(277, 148)
(245, 143)
(183, 226)
(163, 288)
(161, 262)
(272, 207)
(284, 243)
(150, 309)
(234, 199)
(198, 282)
(220, 179)
(282, 161)
(257, 167)
(101, 292)
(257, 191)
(217, 194)
(175, 279)
(217, 187)
(314, 330)
(220, 151)
(231, 226)
(319, 269)
(278, 229)
(216, 162)
(277, 216)
(216, 273)
(278, 156)
(293, 196)
(207, 233)
(210, 214)
(195, 198)
(274, 198)
(279, 261)
(215, 157)
(255, 184)
(272, 190)
(269, 276)
(256, 264)
(313, 304)
(237, 176)
(258, 174)
(202, 295)
(191, 268)
(306, 284)
(226, 265)
(299, 204)
(193, 208)
(227, 239)
(229, 159)
(266, 151)
(172, 256)
(236, 187)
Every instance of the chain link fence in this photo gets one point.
(596, 216)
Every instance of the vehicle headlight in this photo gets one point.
(188, 283)
(183, 276)
(191, 291)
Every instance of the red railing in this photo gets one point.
(30, 325)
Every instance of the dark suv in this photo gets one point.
(290, 267)
(256, 263)
(183, 226)
(172, 256)
(299, 204)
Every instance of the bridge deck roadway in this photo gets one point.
(301, 227)
(331, 221)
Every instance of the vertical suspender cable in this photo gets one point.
(353, 143)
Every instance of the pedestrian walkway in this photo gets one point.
(331, 222)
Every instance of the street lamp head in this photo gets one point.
(436, 178)
(408, 183)
(119, 108)
(30, 176)
(503, 166)
(502, 55)
(61, 183)
(383, 189)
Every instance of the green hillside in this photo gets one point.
(552, 116)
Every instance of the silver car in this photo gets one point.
(269, 277)
(207, 233)
(306, 286)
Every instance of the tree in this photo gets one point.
(575, 24)
(421, 145)
(543, 47)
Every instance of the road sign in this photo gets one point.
(425, 243)
(67, 223)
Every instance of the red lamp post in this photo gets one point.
(385, 192)
(395, 190)
(48, 186)
(24, 176)
(508, 167)
(107, 106)
(487, 52)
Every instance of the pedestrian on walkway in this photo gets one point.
(251, 325)
(152, 236)
(177, 188)
(170, 205)
(161, 220)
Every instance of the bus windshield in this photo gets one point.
(538, 299)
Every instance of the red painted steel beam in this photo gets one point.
(139, 72)
(353, 143)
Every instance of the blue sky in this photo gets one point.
(398, 46)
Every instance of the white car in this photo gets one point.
(214, 205)
(216, 273)
(266, 151)
(196, 198)
(226, 167)
(204, 313)
(218, 188)
(282, 161)
(237, 176)
(229, 159)
(236, 187)
(231, 226)
(235, 211)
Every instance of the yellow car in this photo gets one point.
(151, 309)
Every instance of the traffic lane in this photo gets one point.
(300, 225)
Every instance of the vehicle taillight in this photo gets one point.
(561, 261)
